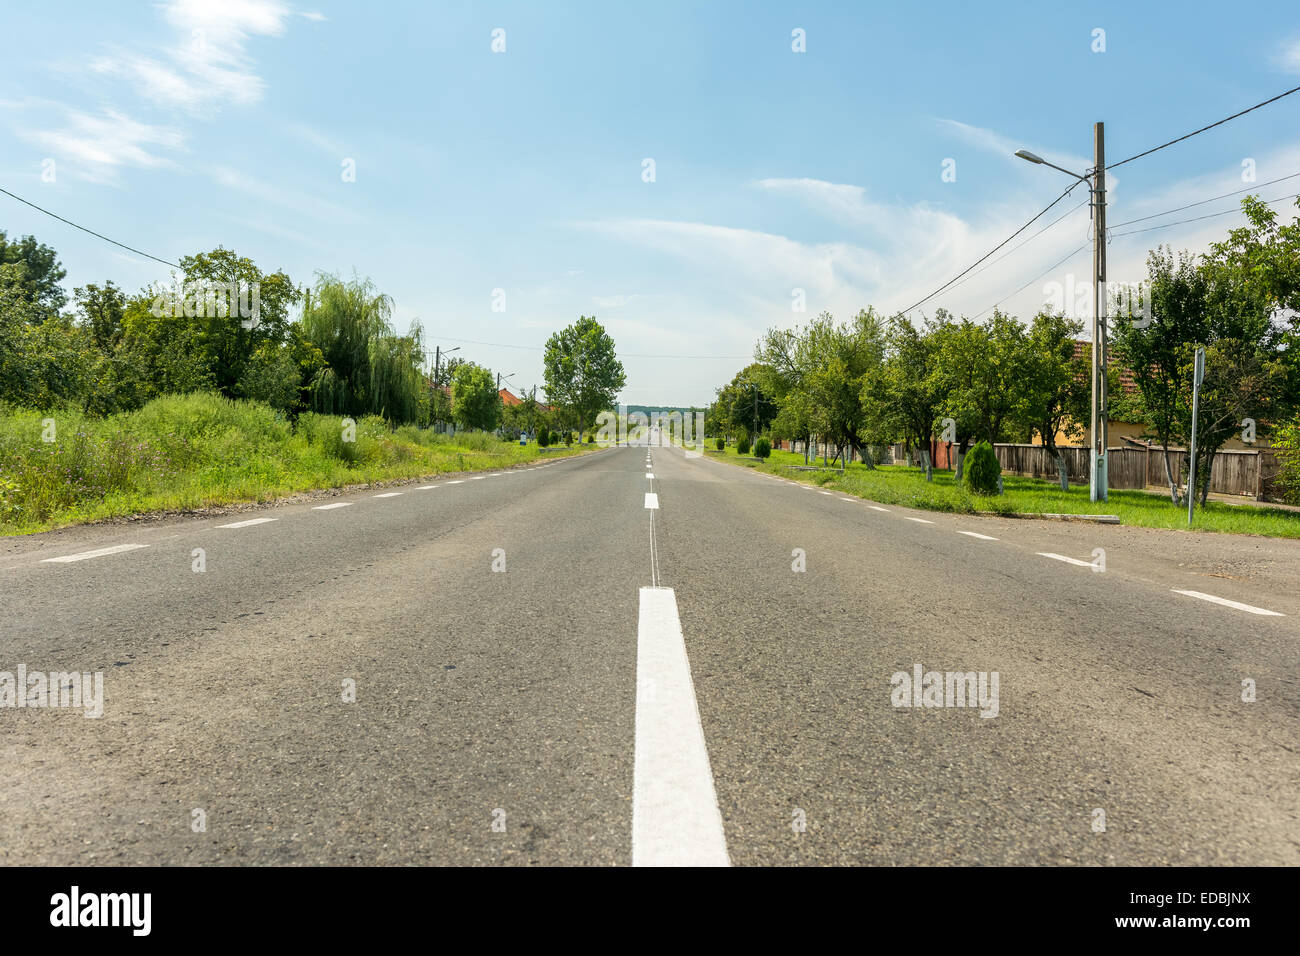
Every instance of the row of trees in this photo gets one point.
(109, 350)
(878, 380)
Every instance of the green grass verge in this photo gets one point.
(185, 452)
(906, 486)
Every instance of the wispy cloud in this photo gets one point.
(207, 64)
(99, 145)
(1288, 57)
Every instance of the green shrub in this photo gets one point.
(742, 445)
(543, 438)
(555, 437)
(981, 470)
(762, 448)
(720, 443)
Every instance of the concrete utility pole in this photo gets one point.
(1198, 376)
(1098, 485)
(1099, 431)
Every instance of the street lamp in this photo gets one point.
(1099, 430)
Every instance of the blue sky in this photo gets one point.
(178, 126)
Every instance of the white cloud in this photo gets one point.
(1288, 58)
(207, 64)
(97, 145)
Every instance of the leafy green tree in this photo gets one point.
(902, 394)
(37, 276)
(583, 373)
(1057, 385)
(368, 369)
(475, 401)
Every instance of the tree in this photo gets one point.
(101, 309)
(583, 373)
(368, 369)
(743, 405)
(37, 276)
(901, 393)
(1057, 385)
(475, 401)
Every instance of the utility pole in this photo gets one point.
(1100, 431)
(1198, 375)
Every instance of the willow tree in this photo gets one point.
(370, 369)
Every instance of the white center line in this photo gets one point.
(974, 534)
(651, 500)
(650, 475)
(918, 520)
(1226, 603)
(99, 552)
(675, 816)
(249, 523)
(387, 494)
(878, 508)
(1061, 557)
(339, 504)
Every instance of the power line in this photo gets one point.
(1153, 149)
(1031, 281)
(538, 348)
(1179, 222)
(1021, 245)
(1156, 215)
(993, 250)
(97, 235)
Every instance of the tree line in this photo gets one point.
(225, 325)
(876, 380)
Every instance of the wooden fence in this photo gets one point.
(1248, 472)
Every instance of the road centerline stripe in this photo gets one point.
(651, 500)
(675, 816)
(97, 553)
(1249, 608)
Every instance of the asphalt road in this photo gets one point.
(648, 684)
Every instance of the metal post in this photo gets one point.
(1198, 374)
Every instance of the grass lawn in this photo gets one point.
(187, 452)
(906, 486)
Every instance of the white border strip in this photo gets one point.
(1250, 608)
(98, 553)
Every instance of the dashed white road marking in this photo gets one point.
(337, 504)
(826, 492)
(675, 816)
(1062, 557)
(249, 523)
(650, 475)
(458, 481)
(477, 477)
(878, 508)
(651, 500)
(850, 500)
(425, 487)
(97, 553)
(387, 494)
(1249, 608)
(918, 520)
(975, 534)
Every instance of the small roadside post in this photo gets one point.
(1198, 375)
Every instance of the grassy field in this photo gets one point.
(906, 486)
(182, 453)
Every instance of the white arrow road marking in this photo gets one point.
(675, 816)
(249, 523)
(1226, 603)
(97, 553)
(918, 520)
(651, 500)
(973, 534)
(340, 504)
(1061, 557)
(387, 494)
